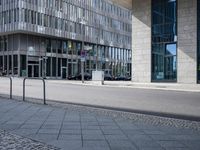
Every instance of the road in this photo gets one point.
(132, 99)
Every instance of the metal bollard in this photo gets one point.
(44, 88)
(10, 85)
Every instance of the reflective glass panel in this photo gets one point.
(164, 40)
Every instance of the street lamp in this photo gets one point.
(83, 22)
(97, 40)
(43, 60)
(97, 53)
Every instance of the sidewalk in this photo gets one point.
(14, 142)
(158, 86)
(125, 96)
(72, 127)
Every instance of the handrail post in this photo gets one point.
(24, 89)
(44, 88)
(10, 84)
(10, 87)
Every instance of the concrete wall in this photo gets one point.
(124, 3)
(187, 41)
(141, 41)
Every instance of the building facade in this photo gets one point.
(198, 41)
(51, 37)
(166, 41)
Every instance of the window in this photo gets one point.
(39, 19)
(65, 46)
(59, 43)
(48, 48)
(164, 40)
(54, 46)
(54, 66)
(23, 71)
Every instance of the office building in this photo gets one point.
(50, 38)
(169, 45)
(165, 40)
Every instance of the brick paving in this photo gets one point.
(10, 141)
(75, 129)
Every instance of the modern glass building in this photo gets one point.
(165, 40)
(50, 37)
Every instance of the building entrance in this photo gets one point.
(64, 72)
(72, 67)
(33, 71)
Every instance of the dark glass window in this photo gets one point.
(65, 46)
(59, 67)
(64, 62)
(70, 47)
(48, 48)
(1, 65)
(54, 66)
(10, 65)
(59, 44)
(23, 71)
(164, 40)
(48, 66)
(54, 46)
(15, 65)
(5, 64)
(79, 48)
(74, 50)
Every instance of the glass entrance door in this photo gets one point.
(33, 71)
(64, 72)
(170, 67)
(72, 67)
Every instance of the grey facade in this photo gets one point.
(187, 41)
(45, 37)
(141, 41)
(165, 41)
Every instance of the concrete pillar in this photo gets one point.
(141, 41)
(187, 41)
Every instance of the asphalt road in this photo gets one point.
(156, 102)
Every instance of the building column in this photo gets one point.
(141, 41)
(187, 42)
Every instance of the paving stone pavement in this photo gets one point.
(70, 129)
(11, 141)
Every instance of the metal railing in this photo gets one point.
(10, 84)
(44, 87)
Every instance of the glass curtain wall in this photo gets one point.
(164, 40)
(58, 58)
(198, 40)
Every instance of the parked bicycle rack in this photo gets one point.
(44, 87)
(10, 85)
